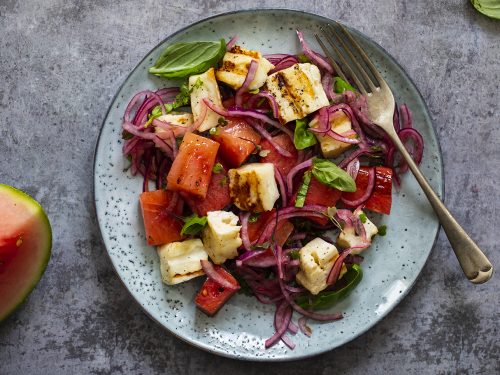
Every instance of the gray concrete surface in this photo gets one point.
(60, 64)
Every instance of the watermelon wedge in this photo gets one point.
(25, 244)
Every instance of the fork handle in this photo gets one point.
(474, 263)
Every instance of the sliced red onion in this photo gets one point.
(131, 104)
(304, 328)
(367, 194)
(252, 69)
(238, 112)
(277, 57)
(410, 133)
(281, 184)
(353, 168)
(283, 64)
(279, 260)
(293, 172)
(231, 43)
(292, 328)
(282, 319)
(327, 83)
(315, 57)
(337, 265)
(244, 230)
(201, 117)
(309, 314)
(406, 115)
(265, 134)
(272, 222)
(272, 101)
(294, 289)
(210, 271)
(395, 119)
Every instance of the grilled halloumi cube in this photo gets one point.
(339, 123)
(221, 236)
(348, 238)
(253, 187)
(316, 261)
(205, 86)
(180, 261)
(178, 119)
(298, 91)
(235, 65)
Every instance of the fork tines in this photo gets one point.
(349, 55)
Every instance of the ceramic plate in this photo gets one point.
(391, 265)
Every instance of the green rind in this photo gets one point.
(44, 221)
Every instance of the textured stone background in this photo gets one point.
(60, 64)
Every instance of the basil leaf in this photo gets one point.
(330, 175)
(218, 168)
(490, 8)
(327, 299)
(193, 225)
(301, 195)
(362, 217)
(303, 138)
(184, 59)
(341, 86)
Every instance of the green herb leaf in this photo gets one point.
(193, 225)
(330, 175)
(213, 131)
(362, 217)
(253, 218)
(303, 58)
(294, 254)
(254, 91)
(303, 138)
(301, 195)
(490, 8)
(126, 135)
(327, 299)
(155, 113)
(221, 121)
(382, 230)
(218, 168)
(187, 58)
(341, 86)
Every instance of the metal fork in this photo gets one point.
(380, 100)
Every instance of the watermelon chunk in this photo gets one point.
(25, 244)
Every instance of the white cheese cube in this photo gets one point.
(339, 123)
(180, 261)
(316, 261)
(253, 187)
(298, 91)
(235, 64)
(348, 238)
(221, 236)
(180, 120)
(205, 86)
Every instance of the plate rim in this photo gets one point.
(208, 348)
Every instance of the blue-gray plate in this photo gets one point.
(391, 265)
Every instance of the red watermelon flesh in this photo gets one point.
(25, 244)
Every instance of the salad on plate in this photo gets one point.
(260, 173)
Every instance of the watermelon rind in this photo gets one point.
(43, 221)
